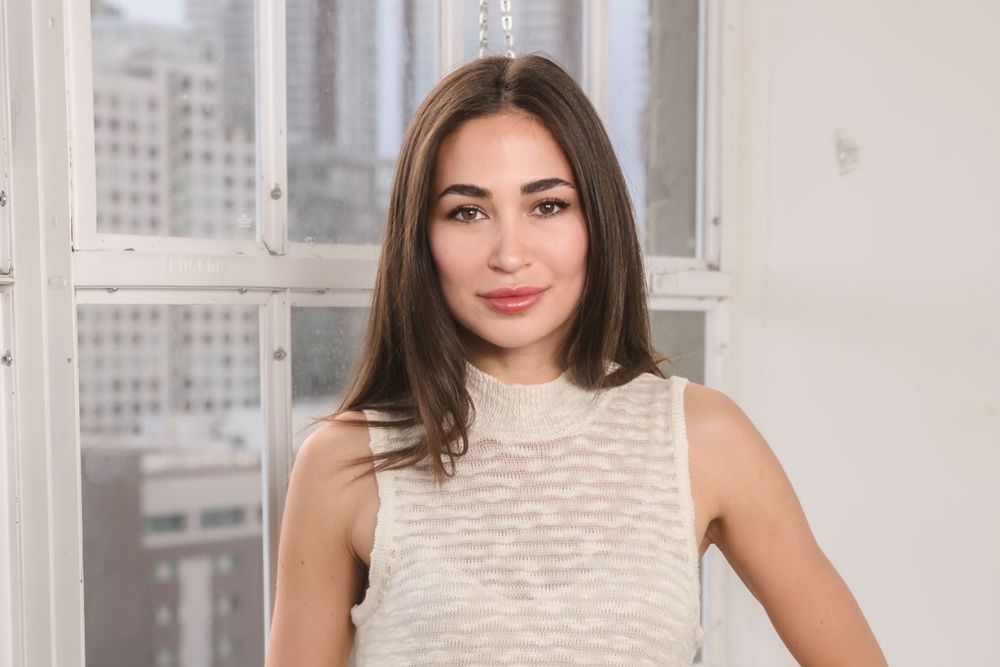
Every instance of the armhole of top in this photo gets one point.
(678, 429)
(384, 520)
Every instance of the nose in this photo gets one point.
(511, 248)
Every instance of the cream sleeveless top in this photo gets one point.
(566, 537)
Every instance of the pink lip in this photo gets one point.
(513, 299)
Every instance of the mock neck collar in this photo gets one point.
(526, 411)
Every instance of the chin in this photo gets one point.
(514, 339)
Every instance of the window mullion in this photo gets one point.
(80, 82)
(10, 560)
(122, 269)
(598, 57)
(45, 378)
(701, 195)
(172, 297)
(276, 390)
(272, 125)
(451, 45)
(712, 61)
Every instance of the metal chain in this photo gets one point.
(484, 35)
(505, 20)
(508, 26)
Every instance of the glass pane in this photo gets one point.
(554, 28)
(356, 73)
(654, 117)
(325, 344)
(680, 335)
(174, 117)
(171, 436)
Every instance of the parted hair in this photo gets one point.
(412, 366)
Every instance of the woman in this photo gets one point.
(541, 493)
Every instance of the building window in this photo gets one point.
(165, 523)
(165, 657)
(227, 647)
(226, 605)
(225, 563)
(165, 570)
(164, 614)
(222, 517)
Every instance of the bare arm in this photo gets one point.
(758, 524)
(320, 576)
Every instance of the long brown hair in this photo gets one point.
(412, 367)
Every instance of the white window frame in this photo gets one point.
(52, 181)
(10, 621)
(10, 562)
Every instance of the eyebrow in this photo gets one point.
(542, 185)
(530, 188)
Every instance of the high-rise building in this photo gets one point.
(168, 163)
(173, 571)
(171, 482)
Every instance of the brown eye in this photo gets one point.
(466, 214)
(547, 209)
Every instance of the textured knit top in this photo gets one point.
(566, 536)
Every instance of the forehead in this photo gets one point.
(503, 148)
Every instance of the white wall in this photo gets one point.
(866, 315)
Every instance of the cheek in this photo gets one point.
(451, 262)
(573, 253)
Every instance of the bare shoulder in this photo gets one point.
(334, 449)
(718, 430)
(327, 486)
(318, 563)
(726, 455)
(332, 474)
(731, 459)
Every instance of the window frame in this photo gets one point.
(9, 553)
(10, 562)
(60, 265)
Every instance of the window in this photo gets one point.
(177, 52)
(218, 518)
(347, 112)
(227, 647)
(164, 615)
(165, 657)
(225, 563)
(325, 342)
(262, 256)
(165, 570)
(166, 523)
(225, 605)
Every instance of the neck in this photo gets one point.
(521, 366)
(520, 371)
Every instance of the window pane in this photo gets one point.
(356, 73)
(325, 344)
(654, 117)
(171, 434)
(554, 28)
(680, 335)
(174, 118)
